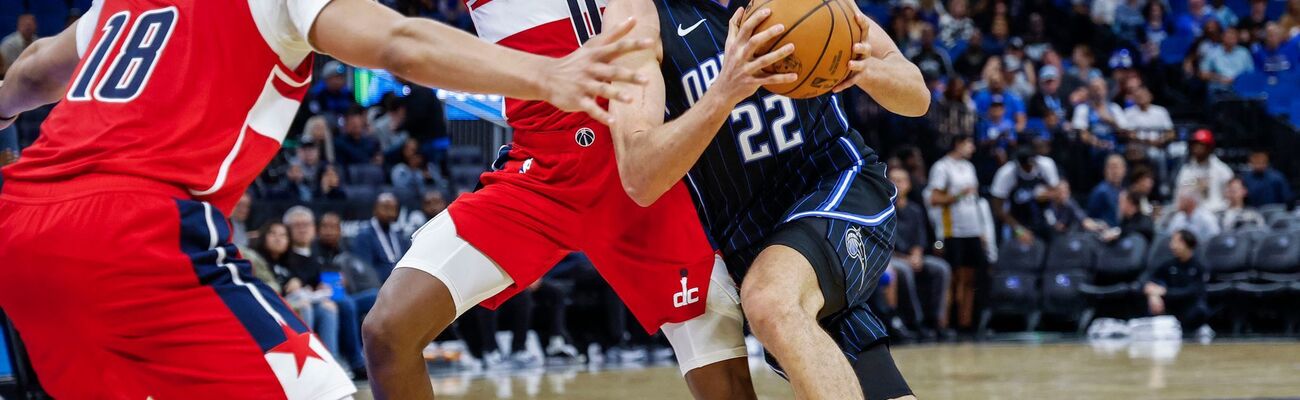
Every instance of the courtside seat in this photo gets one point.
(1118, 269)
(1227, 258)
(1069, 260)
(1277, 258)
(1014, 283)
(1284, 223)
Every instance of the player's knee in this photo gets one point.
(769, 313)
(382, 333)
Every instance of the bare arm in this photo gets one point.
(40, 75)
(653, 155)
(888, 76)
(367, 34)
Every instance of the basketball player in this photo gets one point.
(556, 190)
(115, 259)
(798, 205)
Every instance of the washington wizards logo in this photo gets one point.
(585, 137)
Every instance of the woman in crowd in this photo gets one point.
(300, 282)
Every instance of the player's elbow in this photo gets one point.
(641, 190)
(404, 51)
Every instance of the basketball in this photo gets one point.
(823, 33)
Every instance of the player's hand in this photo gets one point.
(1156, 305)
(742, 72)
(861, 54)
(574, 82)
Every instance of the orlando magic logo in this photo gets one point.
(856, 246)
(585, 137)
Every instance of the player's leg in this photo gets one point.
(782, 299)
(440, 278)
(711, 347)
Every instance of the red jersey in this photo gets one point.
(551, 28)
(197, 94)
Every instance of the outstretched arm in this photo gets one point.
(39, 76)
(367, 34)
(653, 155)
(889, 77)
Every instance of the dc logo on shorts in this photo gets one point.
(585, 137)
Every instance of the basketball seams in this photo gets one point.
(822, 53)
(790, 29)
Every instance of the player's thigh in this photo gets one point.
(717, 335)
(437, 280)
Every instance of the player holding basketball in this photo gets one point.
(115, 259)
(796, 202)
(556, 190)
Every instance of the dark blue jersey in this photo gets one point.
(776, 158)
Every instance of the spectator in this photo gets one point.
(954, 115)
(1140, 186)
(328, 282)
(431, 205)
(1103, 202)
(317, 131)
(1018, 70)
(996, 132)
(1037, 40)
(1272, 56)
(999, 37)
(294, 187)
(1021, 191)
(300, 280)
(933, 61)
(1154, 32)
(1253, 25)
(907, 24)
(360, 287)
(330, 186)
(357, 145)
(957, 26)
(389, 124)
(1204, 175)
(1237, 215)
(414, 174)
(1190, 22)
(1049, 104)
(1223, 13)
(1015, 107)
(1103, 11)
(1191, 216)
(1265, 185)
(954, 196)
(1222, 66)
(239, 220)
(923, 278)
(1099, 121)
(1131, 220)
(1124, 79)
(1152, 129)
(971, 62)
(332, 96)
(1290, 21)
(13, 45)
(1082, 69)
(1129, 20)
(307, 159)
(1177, 287)
(381, 243)
(1063, 214)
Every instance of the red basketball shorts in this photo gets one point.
(554, 193)
(122, 288)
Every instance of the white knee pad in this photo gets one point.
(718, 334)
(469, 275)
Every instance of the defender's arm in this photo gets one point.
(367, 34)
(39, 76)
(882, 70)
(653, 155)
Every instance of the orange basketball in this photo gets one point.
(823, 33)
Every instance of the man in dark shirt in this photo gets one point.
(923, 278)
(933, 61)
(1177, 287)
(357, 145)
(1264, 184)
(1131, 219)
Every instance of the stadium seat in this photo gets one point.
(1113, 282)
(1285, 222)
(361, 193)
(1277, 258)
(1227, 258)
(365, 174)
(1274, 265)
(465, 155)
(1271, 212)
(1014, 284)
(1069, 260)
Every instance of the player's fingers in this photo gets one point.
(613, 73)
(612, 35)
(765, 36)
(748, 25)
(857, 65)
(770, 58)
(595, 111)
(848, 82)
(775, 79)
(734, 24)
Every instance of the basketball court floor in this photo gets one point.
(1018, 370)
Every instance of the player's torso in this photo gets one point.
(771, 152)
(552, 28)
(180, 91)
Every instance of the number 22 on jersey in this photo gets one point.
(128, 70)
